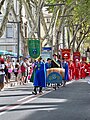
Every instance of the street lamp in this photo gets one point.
(18, 37)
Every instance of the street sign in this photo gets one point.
(34, 48)
(47, 48)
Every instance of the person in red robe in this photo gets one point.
(77, 69)
(71, 70)
(88, 68)
(83, 70)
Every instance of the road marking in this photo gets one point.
(25, 100)
(67, 83)
(2, 107)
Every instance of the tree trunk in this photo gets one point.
(5, 19)
(1, 3)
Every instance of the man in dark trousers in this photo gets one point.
(40, 76)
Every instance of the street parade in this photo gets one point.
(54, 72)
(44, 59)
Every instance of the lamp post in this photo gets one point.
(18, 37)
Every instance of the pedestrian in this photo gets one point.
(2, 75)
(65, 66)
(59, 61)
(83, 69)
(77, 69)
(88, 70)
(48, 63)
(48, 66)
(16, 69)
(71, 70)
(40, 76)
(24, 71)
(60, 66)
(9, 68)
(54, 63)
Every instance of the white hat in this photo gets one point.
(65, 55)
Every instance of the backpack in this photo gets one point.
(22, 68)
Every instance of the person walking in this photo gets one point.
(9, 67)
(24, 71)
(71, 70)
(77, 69)
(2, 75)
(39, 76)
(65, 66)
(48, 63)
(88, 68)
(16, 69)
(54, 63)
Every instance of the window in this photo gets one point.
(9, 31)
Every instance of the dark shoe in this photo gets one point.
(33, 92)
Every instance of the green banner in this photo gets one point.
(34, 48)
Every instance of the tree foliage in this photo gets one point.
(74, 16)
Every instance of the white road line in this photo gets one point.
(25, 98)
(70, 82)
(42, 94)
(5, 109)
(2, 113)
(1, 108)
(29, 100)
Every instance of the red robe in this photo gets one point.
(71, 70)
(83, 70)
(88, 70)
(77, 70)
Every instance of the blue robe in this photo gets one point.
(40, 75)
(47, 65)
(65, 66)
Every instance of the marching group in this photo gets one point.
(73, 70)
(23, 69)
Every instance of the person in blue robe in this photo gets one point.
(65, 66)
(39, 76)
(48, 63)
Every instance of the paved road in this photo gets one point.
(68, 103)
